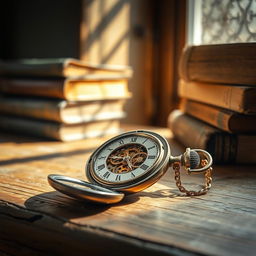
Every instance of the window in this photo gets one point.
(226, 21)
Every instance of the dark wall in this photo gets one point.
(40, 28)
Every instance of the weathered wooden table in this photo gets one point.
(36, 220)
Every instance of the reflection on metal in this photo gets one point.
(228, 21)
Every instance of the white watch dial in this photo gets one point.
(129, 162)
(126, 159)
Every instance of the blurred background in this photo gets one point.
(147, 35)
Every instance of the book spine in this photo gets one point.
(223, 63)
(30, 127)
(222, 119)
(35, 87)
(219, 118)
(229, 97)
(183, 63)
(33, 108)
(189, 132)
(196, 134)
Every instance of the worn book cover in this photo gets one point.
(237, 98)
(82, 89)
(62, 111)
(223, 119)
(224, 147)
(58, 131)
(221, 63)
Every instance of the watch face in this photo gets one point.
(129, 162)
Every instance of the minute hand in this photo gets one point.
(116, 157)
(127, 159)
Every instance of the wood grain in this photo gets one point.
(35, 219)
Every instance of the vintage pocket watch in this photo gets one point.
(129, 163)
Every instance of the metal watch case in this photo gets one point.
(153, 174)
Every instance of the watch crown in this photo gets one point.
(190, 159)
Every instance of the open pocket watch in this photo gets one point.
(129, 163)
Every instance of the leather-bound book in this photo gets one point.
(58, 131)
(224, 147)
(62, 111)
(237, 98)
(72, 89)
(221, 63)
(220, 118)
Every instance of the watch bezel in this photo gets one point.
(155, 172)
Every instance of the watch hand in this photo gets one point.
(127, 159)
(116, 157)
(129, 164)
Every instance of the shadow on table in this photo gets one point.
(62, 206)
(58, 204)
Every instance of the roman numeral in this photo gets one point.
(102, 157)
(134, 139)
(144, 141)
(118, 177)
(100, 167)
(106, 175)
(151, 147)
(109, 149)
(133, 175)
(144, 167)
(121, 142)
(151, 157)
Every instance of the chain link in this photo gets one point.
(206, 187)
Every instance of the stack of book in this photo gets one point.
(63, 99)
(217, 87)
